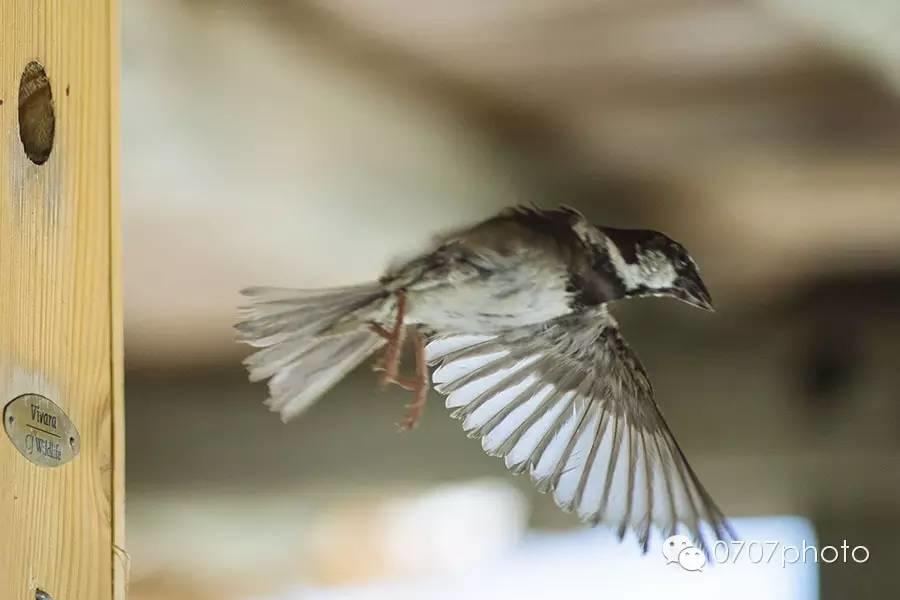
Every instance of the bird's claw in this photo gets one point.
(389, 364)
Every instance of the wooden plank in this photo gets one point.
(121, 558)
(60, 313)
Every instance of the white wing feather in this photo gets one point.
(569, 403)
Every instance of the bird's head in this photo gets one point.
(650, 263)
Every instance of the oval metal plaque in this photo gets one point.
(41, 431)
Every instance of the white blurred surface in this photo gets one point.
(296, 534)
(591, 564)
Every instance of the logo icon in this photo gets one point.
(679, 549)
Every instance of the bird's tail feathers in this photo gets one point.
(308, 340)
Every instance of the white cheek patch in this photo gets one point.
(653, 269)
(657, 270)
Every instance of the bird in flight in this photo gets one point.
(513, 314)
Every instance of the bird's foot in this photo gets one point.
(389, 365)
(419, 386)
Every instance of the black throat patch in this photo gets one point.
(600, 284)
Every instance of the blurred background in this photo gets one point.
(306, 143)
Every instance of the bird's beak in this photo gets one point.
(693, 291)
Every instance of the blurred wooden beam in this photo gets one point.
(867, 36)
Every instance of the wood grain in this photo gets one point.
(60, 313)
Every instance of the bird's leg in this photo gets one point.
(389, 365)
(419, 385)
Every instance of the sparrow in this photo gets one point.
(513, 314)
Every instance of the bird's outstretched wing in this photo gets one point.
(568, 402)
